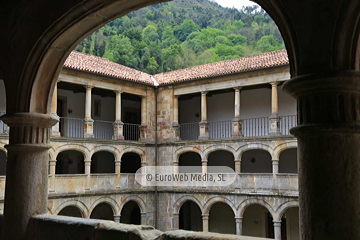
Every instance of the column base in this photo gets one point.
(118, 130)
(143, 133)
(176, 128)
(88, 128)
(204, 131)
(236, 128)
(274, 125)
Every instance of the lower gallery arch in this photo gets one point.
(258, 222)
(222, 219)
(221, 158)
(2, 163)
(130, 162)
(256, 161)
(103, 162)
(290, 226)
(190, 217)
(102, 211)
(192, 159)
(71, 211)
(288, 161)
(70, 162)
(131, 213)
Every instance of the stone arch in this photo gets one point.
(136, 150)
(254, 146)
(52, 154)
(242, 207)
(182, 150)
(74, 147)
(213, 200)
(184, 199)
(110, 149)
(280, 211)
(214, 148)
(281, 147)
(79, 204)
(140, 202)
(112, 203)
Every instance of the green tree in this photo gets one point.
(186, 27)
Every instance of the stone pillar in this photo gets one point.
(52, 175)
(175, 221)
(176, 167)
(275, 166)
(87, 173)
(277, 229)
(55, 129)
(143, 218)
(117, 218)
(118, 173)
(237, 122)
(26, 191)
(204, 163)
(176, 125)
(238, 165)
(274, 119)
(204, 125)
(238, 222)
(88, 122)
(205, 220)
(143, 127)
(328, 149)
(118, 124)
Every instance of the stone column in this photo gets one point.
(118, 124)
(277, 229)
(204, 163)
(238, 165)
(55, 129)
(205, 221)
(88, 122)
(204, 125)
(87, 173)
(117, 218)
(26, 191)
(275, 166)
(118, 173)
(175, 221)
(328, 149)
(274, 119)
(52, 175)
(238, 222)
(176, 125)
(143, 127)
(237, 122)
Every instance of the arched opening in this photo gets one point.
(290, 226)
(258, 222)
(192, 159)
(256, 161)
(288, 162)
(130, 162)
(103, 162)
(221, 158)
(102, 211)
(190, 217)
(2, 163)
(70, 162)
(71, 211)
(130, 213)
(222, 219)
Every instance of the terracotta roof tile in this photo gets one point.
(270, 59)
(90, 63)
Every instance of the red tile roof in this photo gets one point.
(90, 63)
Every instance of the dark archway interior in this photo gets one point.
(221, 158)
(131, 214)
(288, 162)
(2, 163)
(190, 217)
(130, 163)
(192, 159)
(103, 162)
(102, 211)
(70, 162)
(222, 219)
(71, 211)
(256, 161)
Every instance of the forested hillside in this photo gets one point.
(183, 33)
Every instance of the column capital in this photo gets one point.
(118, 91)
(237, 88)
(238, 219)
(205, 216)
(204, 92)
(274, 84)
(88, 86)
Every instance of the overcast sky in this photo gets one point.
(235, 3)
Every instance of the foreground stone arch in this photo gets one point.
(252, 201)
(254, 146)
(286, 145)
(215, 148)
(140, 202)
(207, 206)
(79, 204)
(110, 201)
(177, 205)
